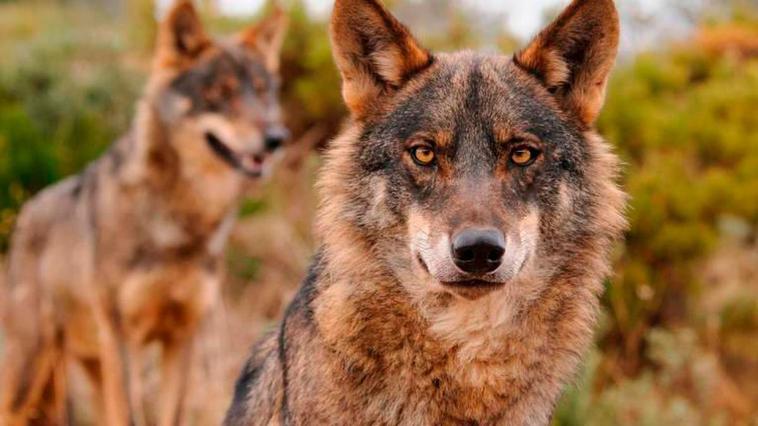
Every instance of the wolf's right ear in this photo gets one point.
(181, 37)
(267, 36)
(573, 56)
(374, 52)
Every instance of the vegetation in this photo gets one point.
(678, 342)
(679, 338)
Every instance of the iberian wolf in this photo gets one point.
(467, 215)
(129, 252)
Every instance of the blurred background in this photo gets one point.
(678, 339)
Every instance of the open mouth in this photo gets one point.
(250, 165)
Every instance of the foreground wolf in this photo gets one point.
(129, 251)
(467, 216)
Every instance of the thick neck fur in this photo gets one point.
(502, 358)
(182, 193)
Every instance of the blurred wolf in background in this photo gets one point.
(467, 216)
(129, 251)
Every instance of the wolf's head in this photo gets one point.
(463, 172)
(217, 100)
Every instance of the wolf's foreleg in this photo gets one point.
(174, 372)
(115, 396)
(135, 384)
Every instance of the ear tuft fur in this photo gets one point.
(573, 56)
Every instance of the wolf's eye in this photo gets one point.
(423, 155)
(523, 156)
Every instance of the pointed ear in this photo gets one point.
(267, 36)
(374, 52)
(573, 56)
(181, 37)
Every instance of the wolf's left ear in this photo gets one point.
(181, 37)
(573, 56)
(374, 52)
(267, 36)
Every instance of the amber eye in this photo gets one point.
(523, 156)
(423, 155)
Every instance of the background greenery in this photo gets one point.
(678, 342)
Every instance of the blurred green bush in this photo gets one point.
(685, 122)
(66, 92)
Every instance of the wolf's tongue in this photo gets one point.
(252, 162)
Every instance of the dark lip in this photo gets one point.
(470, 283)
(231, 158)
(470, 289)
(473, 283)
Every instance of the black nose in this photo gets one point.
(274, 137)
(478, 251)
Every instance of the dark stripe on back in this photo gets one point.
(302, 302)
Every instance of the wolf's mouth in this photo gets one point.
(472, 284)
(251, 165)
(470, 288)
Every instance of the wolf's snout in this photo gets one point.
(478, 251)
(275, 137)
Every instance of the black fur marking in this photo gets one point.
(89, 179)
(475, 147)
(246, 381)
(282, 352)
(116, 155)
(76, 190)
(308, 292)
(301, 303)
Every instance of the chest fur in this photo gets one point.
(170, 280)
(166, 300)
(396, 369)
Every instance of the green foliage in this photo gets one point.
(685, 124)
(650, 399)
(307, 68)
(62, 101)
(251, 207)
(242, 266)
